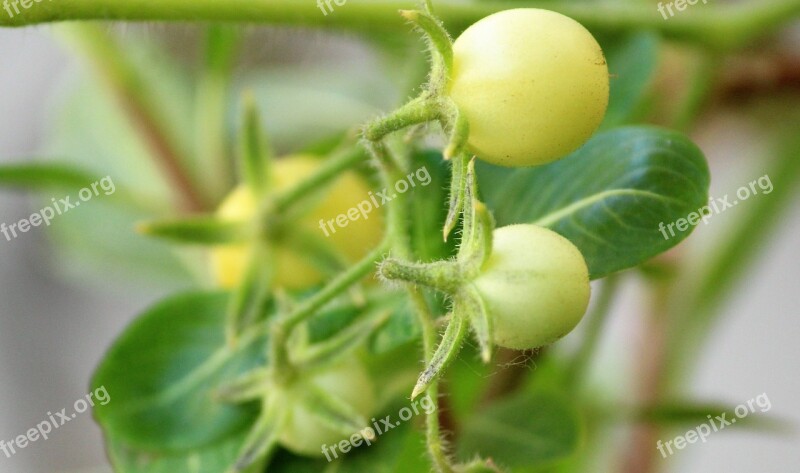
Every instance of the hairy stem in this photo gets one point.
(398, 235)
(433, 430)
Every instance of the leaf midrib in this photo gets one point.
(551, 218)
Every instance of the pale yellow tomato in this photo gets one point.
(294, 270)
(533, 85)
(535, 286)
(304, 432)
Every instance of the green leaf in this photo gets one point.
(632, 64)
(691, 414)
(254, 154)
(37, 176)
(216, 458)
(528, 430)
(610, 197)
(205, 230)
(163, 371)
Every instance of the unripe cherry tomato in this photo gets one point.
(533, 85)
(535, 285)
(292, 268)
(304, 433)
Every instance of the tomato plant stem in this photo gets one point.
(422, 109)
(433, 432)
(724, 26)
(398, 235)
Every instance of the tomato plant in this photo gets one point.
(365, 276)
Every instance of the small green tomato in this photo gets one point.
(304, 433)
(533, 85)
(535, 286)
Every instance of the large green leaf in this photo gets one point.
(163, 371)
(609, 197)
(528, 430)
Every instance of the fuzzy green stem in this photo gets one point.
(433, 431)
(440, 45)
(422, 109)
(445, 276)
(398, 235)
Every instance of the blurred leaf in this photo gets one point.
(38, 176)
(216, 458)
(254, 156)
(528, 430)
(206, 230)
(162, 373)
(153, 95)
(100, 238)
(609, 197)
(694, 413)
(632, 63)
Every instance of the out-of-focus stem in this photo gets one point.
(722, 26)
